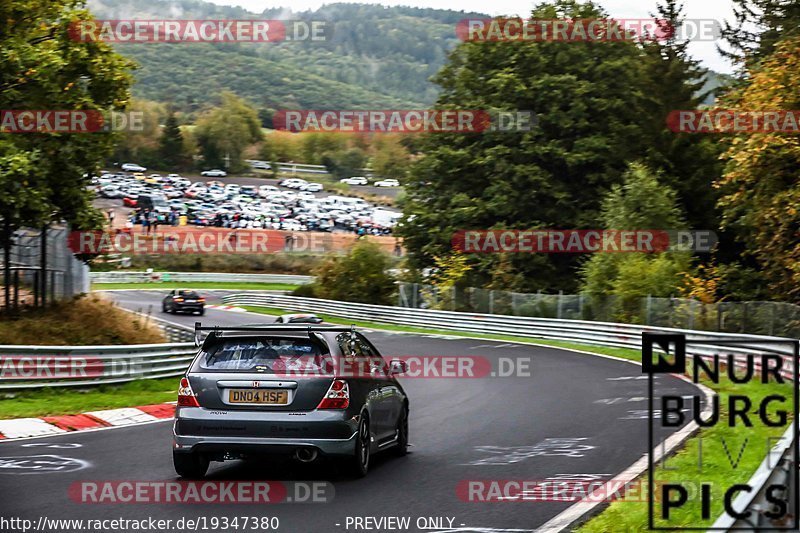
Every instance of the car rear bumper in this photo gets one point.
(207, 430)
(188, 307)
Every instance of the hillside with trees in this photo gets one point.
(375, 57)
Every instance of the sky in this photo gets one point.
(705, 51)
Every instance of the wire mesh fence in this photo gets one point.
(758, 318)
(34, 279)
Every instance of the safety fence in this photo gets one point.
(758, 318)
(42, 268)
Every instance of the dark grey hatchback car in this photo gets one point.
(303, 391)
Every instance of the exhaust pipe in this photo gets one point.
(305, 455)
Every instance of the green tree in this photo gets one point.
(687, 163)
(757, 27)
(589, 104)
(391, 159)
(224, 132)
(43, 68)
(360, 276)
(171, 144)
(141, 145)
(345, 164)
(640, 203)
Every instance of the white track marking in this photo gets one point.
(27, 427)
(122, 417)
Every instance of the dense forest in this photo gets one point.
(376, 56)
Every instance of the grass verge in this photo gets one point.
(729, 456)
(68, 401)
(209, 285)
(89, 320)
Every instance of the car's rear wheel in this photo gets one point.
(402, 434)
(201, 312)
(190, 465)
(359, 462)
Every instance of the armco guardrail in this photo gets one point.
(597, 333)
(777, 469)
(184, 277)
(71, 366)
(31, 367)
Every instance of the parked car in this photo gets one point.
(182, 300)
(266, 190)
(311, 187)
(248, 190)
(351, 402)
(214, 173)
(133, 167)
(355, 180)
(387, 183)
(293, 183)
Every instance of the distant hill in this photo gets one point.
(379, 57)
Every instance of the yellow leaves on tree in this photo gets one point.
(761, 182)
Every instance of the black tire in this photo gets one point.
(202, 312)
(358, 464)
(163, 308)
(190, 465)
(401, 448)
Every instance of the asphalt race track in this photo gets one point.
(461, 429)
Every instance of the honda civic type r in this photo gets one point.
(302, 391)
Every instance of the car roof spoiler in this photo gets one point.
(216, 331)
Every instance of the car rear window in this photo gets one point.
(189, 294)
(267, 355)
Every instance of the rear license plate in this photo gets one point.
(265, 396)
(191, 301)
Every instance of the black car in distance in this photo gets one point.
(183, 300)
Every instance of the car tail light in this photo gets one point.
(177, 298)
(201, 299)
(186, 397)
(337, 397)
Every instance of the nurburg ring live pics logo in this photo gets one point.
(759, 378)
